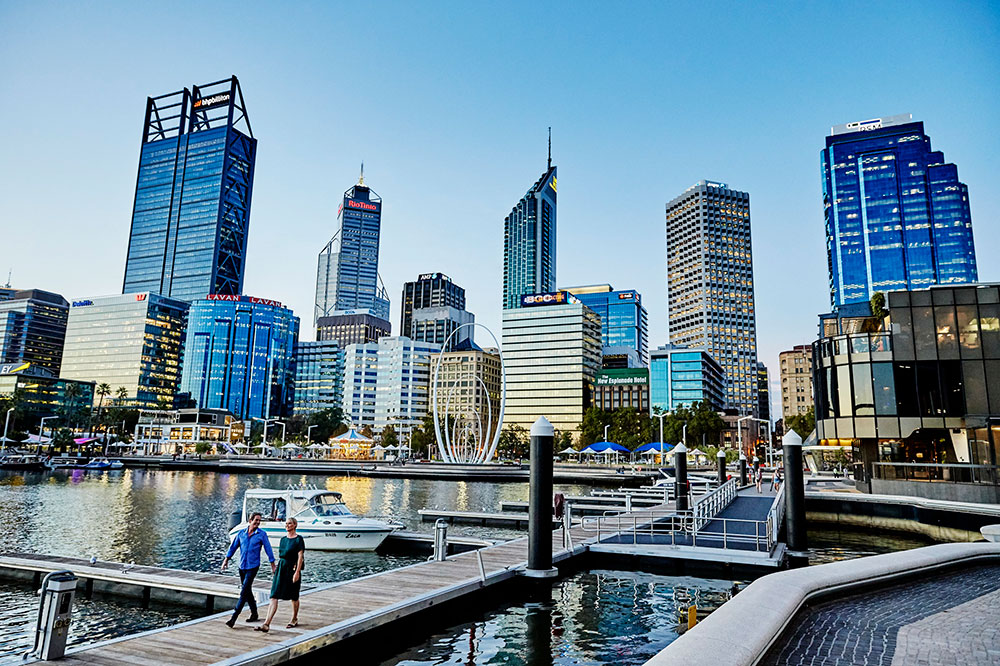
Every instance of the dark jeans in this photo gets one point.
(246, 592)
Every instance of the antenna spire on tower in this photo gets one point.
(550, 147)
(361, 179)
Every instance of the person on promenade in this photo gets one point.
(249, 541)
(775, 479)
(759, 478)
(288, 578)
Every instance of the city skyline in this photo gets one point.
(293, 207)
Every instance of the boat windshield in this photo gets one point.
(329, 505)
(271, 509)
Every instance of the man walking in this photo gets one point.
(249, 541)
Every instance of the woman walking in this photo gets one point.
(288, 578)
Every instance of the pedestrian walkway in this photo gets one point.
(947, 619)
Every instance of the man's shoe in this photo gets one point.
(231, 622)
(253, 618)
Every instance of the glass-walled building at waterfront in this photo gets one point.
(192, 197)
(319, 377)
(44, 394)
(916, 395)
(897, 217)
(624, 327)
(33, 328)
(239, 355)
(680, 377)
(131, 340)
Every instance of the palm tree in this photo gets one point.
(103, 390)
(122, 395)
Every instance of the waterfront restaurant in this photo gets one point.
(914, 390)
(160, 432)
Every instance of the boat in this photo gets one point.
(324, 521)
(101, 464)
(20, 462)
(65, 462)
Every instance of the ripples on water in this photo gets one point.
(594, 617)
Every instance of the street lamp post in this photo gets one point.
(661, 415)
(606, 432)
(41, 429)
(309, 434)
(6, 425)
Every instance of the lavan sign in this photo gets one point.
(243, 299)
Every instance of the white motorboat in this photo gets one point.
(324, 521)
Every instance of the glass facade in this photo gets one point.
(437, 324)
(43, 394)
(319, 377)
(352, 327)
(347, 275)
(710, 297)
(897, 216)
(763, 393)
(679, 377)
(132, 341)
(388, 383)
(623, 320)
(431, 290)
(192, 198)
(33, 329)
(529, 243)
(239, 355)
(919, 389)
(552, 354)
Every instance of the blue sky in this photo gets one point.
(448, 105)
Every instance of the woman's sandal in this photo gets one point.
(263, 628)
(292, 625)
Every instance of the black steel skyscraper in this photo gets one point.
(192, 197)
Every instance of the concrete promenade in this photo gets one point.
(858, 612)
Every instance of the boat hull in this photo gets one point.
(329, 537)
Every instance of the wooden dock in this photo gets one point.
(206, 590)
(330, 613)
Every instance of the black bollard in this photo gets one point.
(795, 498)
(540, 502)
(743, 469)
(722, 466)
(681, 476)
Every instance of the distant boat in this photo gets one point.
(102, 464)
(22, 462)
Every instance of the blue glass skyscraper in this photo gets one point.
(239, 355)
(347, 277)
(529, 243)
(897, 216)
(624, 327)
(192, 197)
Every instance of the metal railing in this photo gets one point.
(775, 515)
(679, 528)
(936, 472)
(711, 504)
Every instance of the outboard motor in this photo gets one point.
(235, 518)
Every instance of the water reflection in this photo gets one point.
(597, 617)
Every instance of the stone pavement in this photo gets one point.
(946, 619)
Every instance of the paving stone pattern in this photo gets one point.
(865, 629)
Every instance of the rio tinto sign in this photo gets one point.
(363, 205)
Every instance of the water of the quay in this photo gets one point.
(180, 519)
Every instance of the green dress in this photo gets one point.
(282, 586)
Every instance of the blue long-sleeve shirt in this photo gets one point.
(249, 545)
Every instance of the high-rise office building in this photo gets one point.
(388, 383)
(130, 340)
(763, 393)
(319, 377)
(33, 329)
(42, 393)
(552, 353)
(897, 217)
(710, 284)
(352, 327)
(624, 327)
(439, 323)
(680, 377)
(192, 197)
(430, 290)
(796, 380)
(529, 242)
(347, 276)
(469, 384)
(622, 387)
(239, 355)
